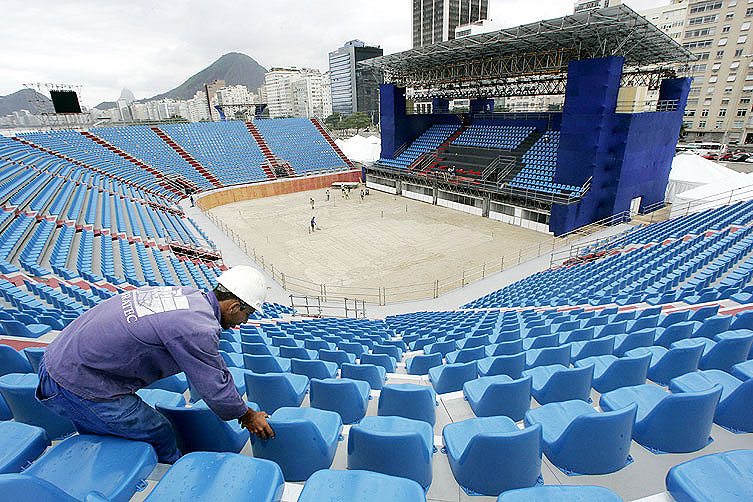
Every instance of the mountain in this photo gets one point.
(106, 105)
(25, 99)
(234, 68)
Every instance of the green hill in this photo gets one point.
(25, 99)
(234, 68)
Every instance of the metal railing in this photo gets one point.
(510, 163)
(429, 177)
(317, 306)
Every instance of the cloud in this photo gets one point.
(151, 46)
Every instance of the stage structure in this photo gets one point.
(613, 152)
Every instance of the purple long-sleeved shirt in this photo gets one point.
(138, 337)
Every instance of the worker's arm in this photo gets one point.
(199, 358)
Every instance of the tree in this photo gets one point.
(357, 121)
(333, 121)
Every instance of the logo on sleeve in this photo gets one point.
(153, 301)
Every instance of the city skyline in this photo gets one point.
(154, 46)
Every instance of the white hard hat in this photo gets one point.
(246, 283)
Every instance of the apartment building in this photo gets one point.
(718, 33)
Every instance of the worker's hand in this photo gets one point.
(256, 423)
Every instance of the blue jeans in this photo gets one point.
(127, 416)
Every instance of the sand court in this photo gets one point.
(381, 241)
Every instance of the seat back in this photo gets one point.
(727, 352)
(371, 373)
(675, 332)
(595, 443)
(258, 349)
(501, 461)
(275, 390)
(578, 335)
(501, 396)
(113, 466)
(233, 477)
(548, 356)
(24, 488)
(677, 361)
(199, 429)
(510, 365)
(18, 391)
(505, 348)
(704, 312)
(542, 341)
(420, 364)
(336, 356)
(305, 441)
(313, 369)
(262, 364)
(451, 377)
(713, 325)
(674, 317)
(626, 371)
(341, 395)
(570, 383)
(680, 423)
(12, 361)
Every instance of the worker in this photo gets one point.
(90, 373)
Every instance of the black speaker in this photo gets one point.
(65, 101)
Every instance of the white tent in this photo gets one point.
(719, 193)
(361, 149)
(690, 171)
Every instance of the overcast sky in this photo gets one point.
(151, 46)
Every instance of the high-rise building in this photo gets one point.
(584, 5)
(211, 90)
(293, 92)
(719, 102)
(435, 20)
(354, 90)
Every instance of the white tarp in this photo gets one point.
(690, 171)
(361, 149)
(720, 193)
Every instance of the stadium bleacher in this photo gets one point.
(661, 300)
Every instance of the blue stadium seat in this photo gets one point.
(578, 439)
(313, 368)
(556, 382)
(734, 408)
(667, 364)
(359, 486)
(266, 364)
(451, 377)
(305, 441)
(18, 391)
(275, 390)
(674, 423)
(392, 445)
(561, 493)
(499, 395)
(612, 373)
(20, 444)
(375, 375)
(199, 429)
(420, 364)
(34, 355)
(383, 360)
(348, 397)
(724, 476)
(491, 455)
(417, 402)
(99, 466)
(12, 361)
(510, 365)
(233, 477)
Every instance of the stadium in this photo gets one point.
(509, 314)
